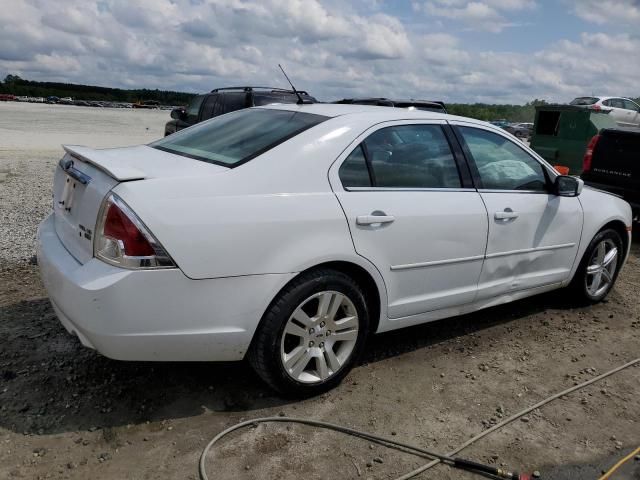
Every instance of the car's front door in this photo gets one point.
(412, 213)
(533, 233)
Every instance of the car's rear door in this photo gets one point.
(533, 234)
(413, 213)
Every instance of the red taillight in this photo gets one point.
(122, 239)
(588, 154)
(119, 227)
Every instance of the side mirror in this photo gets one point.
(566, 186)
(179, 113)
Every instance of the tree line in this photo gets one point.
(15, 85)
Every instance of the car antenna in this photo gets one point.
(300, 99)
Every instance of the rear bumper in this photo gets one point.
(152, 314)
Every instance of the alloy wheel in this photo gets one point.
(319, 337)
(601, 268)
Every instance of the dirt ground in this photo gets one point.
(67, 412)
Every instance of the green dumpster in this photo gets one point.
(561, 133)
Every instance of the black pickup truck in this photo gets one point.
(612, 163)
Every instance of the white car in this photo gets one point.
(624, 111)
(288, 234)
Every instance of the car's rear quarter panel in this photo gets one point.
(274, 214)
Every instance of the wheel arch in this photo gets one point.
(621, 229)
(615, 224)
(367, 277)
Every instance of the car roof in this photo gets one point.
(392, 100)
(603, 97)
(385, 113)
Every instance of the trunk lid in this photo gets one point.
(84, 177)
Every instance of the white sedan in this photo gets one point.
(288, 234)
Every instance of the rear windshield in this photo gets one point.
(584, 101)
(235, 138)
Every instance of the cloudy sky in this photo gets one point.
(499, 51)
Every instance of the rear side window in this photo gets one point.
(233, 139)
(501, 164)
(584, 101)
(616, 103)
(209, 107)
(354, 171)
(404, 156)
(629, 105)
(234, 101)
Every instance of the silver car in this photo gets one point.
(624, 111)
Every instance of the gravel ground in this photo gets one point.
(31, 136)
(67, 412)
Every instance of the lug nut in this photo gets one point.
(322, 324)
(311, 344)
(311, 330)
(328, 332)
(321, 345)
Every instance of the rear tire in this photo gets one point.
(312, 334)
(599, 267)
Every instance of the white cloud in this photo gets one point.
(487, 15)
(329, 49)
(608, 11)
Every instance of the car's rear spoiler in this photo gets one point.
(110, 162)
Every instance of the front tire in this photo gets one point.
(312, 334)
(599, 267)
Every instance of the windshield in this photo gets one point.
(235, 138)
(584, 101)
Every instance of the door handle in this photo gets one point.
(374, 219)
(507, 214)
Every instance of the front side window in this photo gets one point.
(404, 156)
(501, 164)
(230, 140)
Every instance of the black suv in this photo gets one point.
(428, 105)
(225, 100)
